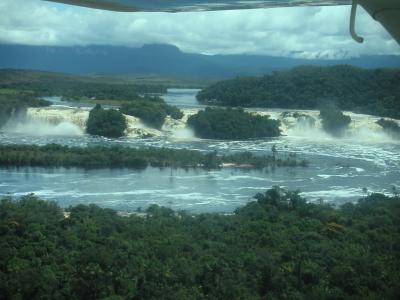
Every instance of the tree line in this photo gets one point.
(276, 247)
(53, 155)
(375, 92)
(74, 87)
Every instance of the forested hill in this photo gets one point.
(73, 86)
(310, 87)
(163, 60)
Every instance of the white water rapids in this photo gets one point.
(340, 168)
(69, 121)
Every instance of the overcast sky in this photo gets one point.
(305, 32)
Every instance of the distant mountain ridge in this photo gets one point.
(162, 60)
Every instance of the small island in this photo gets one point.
(334, 121)
(106, 122)
(232, 124)
(151, 110)
(390, 127)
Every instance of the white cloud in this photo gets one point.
(308, 32)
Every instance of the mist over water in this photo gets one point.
(183, 134)
(365, 157)
(371, 133)
(36, 127)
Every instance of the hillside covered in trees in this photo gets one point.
(374, 92)
(277, 247)
(72, 87)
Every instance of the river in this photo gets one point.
(340, 169)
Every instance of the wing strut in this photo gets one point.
(353, 13)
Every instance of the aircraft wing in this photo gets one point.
(194, 5)
(387, 12)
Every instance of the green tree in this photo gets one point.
(151, 110)
(277, 247)
(334, 121)
(390, 126)
(106, 122)
(230, 124)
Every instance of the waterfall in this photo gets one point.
(306, 124)
(59, 120)
(46, 122)
(178, 129)
(56, 115)
(299, 124)
(137, 129)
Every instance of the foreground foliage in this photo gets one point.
(375, 92)
(106, 122)
(278, 247)
(232, 124)
(53, 155)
